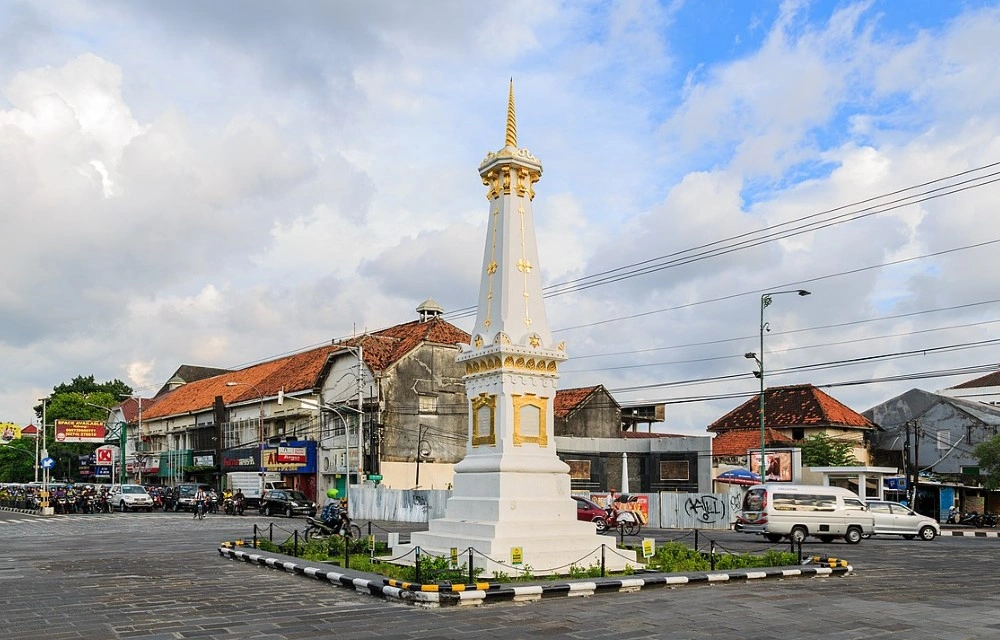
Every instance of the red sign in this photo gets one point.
(79, 431)
(295, 455)
(105, 455)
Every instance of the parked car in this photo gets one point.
(129, 497)
(182, 497)
(288, 502)
(892, 518)
(587, 509)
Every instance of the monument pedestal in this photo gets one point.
(522, 509)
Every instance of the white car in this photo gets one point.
(129, 497)
(892, 518)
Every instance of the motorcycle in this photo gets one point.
(625, 521)
(332, 522)
(971, 519)
(991, 520)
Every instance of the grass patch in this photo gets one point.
(670, 557)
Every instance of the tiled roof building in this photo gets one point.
(791, 414)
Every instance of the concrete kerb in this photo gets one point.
(446, 594)
(33, 512)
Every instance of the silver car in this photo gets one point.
(130, 497)
(892, 518)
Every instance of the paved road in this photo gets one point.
(159, 576)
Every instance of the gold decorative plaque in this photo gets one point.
(484, 413)
(529, 419)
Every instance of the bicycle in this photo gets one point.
(199, 510)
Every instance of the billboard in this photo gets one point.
(9, 431)
(80, 431)
(777, 464)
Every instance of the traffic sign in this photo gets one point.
(48, 463)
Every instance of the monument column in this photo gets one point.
(511, 490)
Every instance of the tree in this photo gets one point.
(17, 461)
(988, 453)
(74, 401)
(820, 450)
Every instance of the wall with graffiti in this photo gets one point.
(699, 510)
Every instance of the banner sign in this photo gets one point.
(9, 431)
(292, 454)
(274, 465)
(80, 431)
(241, 460)
(105, 455)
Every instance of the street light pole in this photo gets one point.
(765, 301)
(260, 434)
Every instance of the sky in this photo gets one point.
(222, 183)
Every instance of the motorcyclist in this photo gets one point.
(239, 501)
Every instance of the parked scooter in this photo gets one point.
(971, 519)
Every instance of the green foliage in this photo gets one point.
(593, 571)
(73, 401)
(988, 453)
(17, 461)
(820, 450)
(675, 557)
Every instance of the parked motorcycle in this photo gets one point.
(971, 519)
(991, 520)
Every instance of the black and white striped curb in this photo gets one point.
(34, 512)
(971, 534)
(468, 594)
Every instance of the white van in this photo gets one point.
(776, 510)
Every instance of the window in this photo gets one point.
(427, 404)
(943, 438)
(804, 502)
(880, 507)
(579, 469)
(798, 433)
(853, 505)
(674, 470)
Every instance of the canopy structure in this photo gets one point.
(739, 476)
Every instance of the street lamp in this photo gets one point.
(260, 432)
(765, 300)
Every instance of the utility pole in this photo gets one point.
(361, 415)
(916, 464)
(907, 462)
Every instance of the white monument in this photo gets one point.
(511, 500)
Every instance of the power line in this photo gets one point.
(781, 286)
(766, 234)
(810, 346)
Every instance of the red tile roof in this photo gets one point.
(792, 406)
(645, 435)
(989, 380)
(130, 408)
(569, 399)
(736, 442)
(302, 371)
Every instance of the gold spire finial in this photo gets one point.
(511, 122)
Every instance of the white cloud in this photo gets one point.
(186, 185)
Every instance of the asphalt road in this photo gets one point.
(160, 576)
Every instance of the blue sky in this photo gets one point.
(194, 184)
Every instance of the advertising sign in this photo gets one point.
(272, 464)
(292, 454)
(9, 431)
(79, 431)
(778, 464)
(104, 455)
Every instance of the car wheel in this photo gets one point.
(123, 506)
(927, 533)
(602, 524)
(288, 512)
(798, 534)
(773, 537)
(267, 511)
(853, 535)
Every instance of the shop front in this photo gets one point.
(295, 461)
